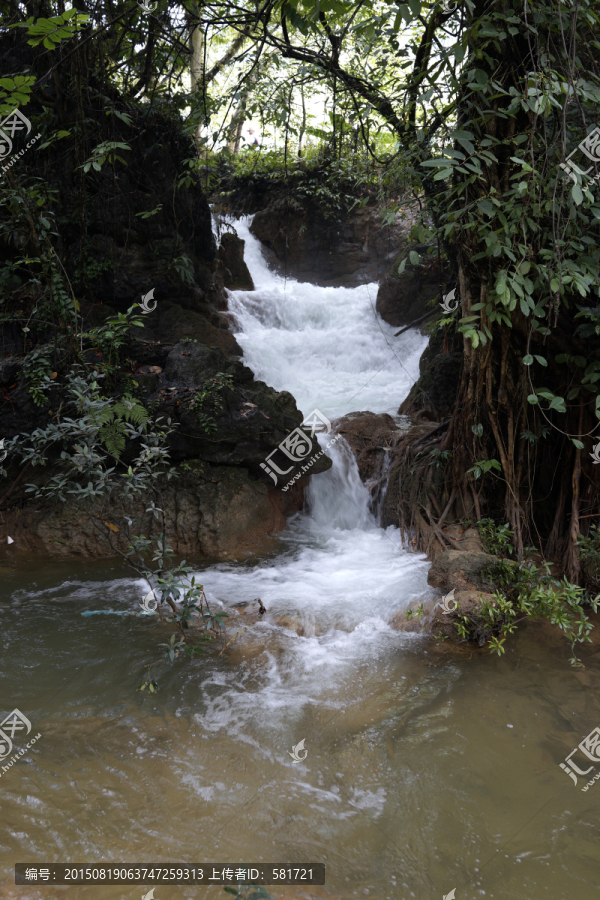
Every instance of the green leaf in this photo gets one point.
(402, 267)
(541, 360)
(487, 207)
(532, 399)
(558, 404)
(414, 257)
(528, 361)
(577, 443)
(576, 194)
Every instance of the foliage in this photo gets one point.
(208, 399)
(497, 539)
(589, 546)
(113, 421)
(525, 590)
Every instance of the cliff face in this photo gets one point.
(122, 233)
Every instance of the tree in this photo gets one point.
(486, 101)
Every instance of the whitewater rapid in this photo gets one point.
(325, 345)
(338, 575)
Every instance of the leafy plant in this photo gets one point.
(497, 539)
(113, 421)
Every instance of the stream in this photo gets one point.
(427, 768)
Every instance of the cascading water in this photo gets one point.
(327, 346)
(341, 576)
(412, 785)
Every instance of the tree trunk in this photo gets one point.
(303, 124)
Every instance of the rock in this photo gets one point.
(214, 512)
(462, 570)
(468, 603)
(292, 623)
(9, 370)
(436, 390)
(416, 624)
(401, 299)
(466, 540)
(251, 422)
(342, 250)
(171, 323)
(231, 264)
(368, 434)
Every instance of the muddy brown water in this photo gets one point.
(430, 771)
(428, 768)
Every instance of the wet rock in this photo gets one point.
(251, 422)
(420, 621)
(340, 251)
(462, 569)
(468, 603)
(436, 389)
(401, 299)
(370, 437)
(292, 623)
(171, 323)
(214, 512)
(9, 370)
(231, 265)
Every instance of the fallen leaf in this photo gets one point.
(111, 526)
(154, 370)
(250, 404)
(53, 376)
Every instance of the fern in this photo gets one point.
(112, 422)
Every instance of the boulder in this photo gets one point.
(342, 250)
(231, 264)
(436, 390)
(462, 569)
(415, 623)
(250, 422)
(370, 436)
(212, 511)
(401, 299)
(171, 323)
(468, 603)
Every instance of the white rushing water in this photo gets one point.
(341, 577)
(327, 346)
